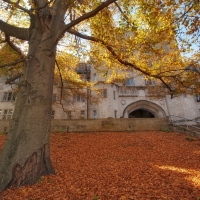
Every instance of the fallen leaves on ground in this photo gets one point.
(118, 166)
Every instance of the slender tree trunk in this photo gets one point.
(26, 155)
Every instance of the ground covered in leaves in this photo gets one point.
(118, 166)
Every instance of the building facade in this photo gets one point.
(118, 100)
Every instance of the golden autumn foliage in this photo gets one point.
(150, 37)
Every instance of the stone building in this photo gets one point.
(128, 100)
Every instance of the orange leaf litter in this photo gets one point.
(118, 166)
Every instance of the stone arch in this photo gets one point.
(141, 113)
(151, 107)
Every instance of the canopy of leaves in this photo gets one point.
(158, 39)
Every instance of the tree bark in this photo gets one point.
(26, 156)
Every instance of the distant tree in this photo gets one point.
(142, 35)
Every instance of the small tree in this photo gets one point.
(139, 35)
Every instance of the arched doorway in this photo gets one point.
(144, 108)
(141, 113)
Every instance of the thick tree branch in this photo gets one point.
(10, 30)
(111, 50)
(86, 16)
(42, 3)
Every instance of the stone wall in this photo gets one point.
(4, 126)
(109, 125)
(78, 125)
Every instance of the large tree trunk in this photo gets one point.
(26, 156)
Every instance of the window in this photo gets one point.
(7, 113)
(114, 95)
(52, 114)
(69, 114)
(130, 82)
(95, 114)
(95, 77)
(115, 113)
(197, 97)
(9, 96)
(54, 98)
(150, 82)
(82, 114)
(78, 98)
(104, 93)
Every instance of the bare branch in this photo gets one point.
(179, 81)
(16, 5)
(14, 47)
(61, 79)
(167, 86)
(10, 30)
(186, 12)
(4, 41)
(8, 81)
(13, 63)
(61, 88)
(121, 10)
(167, 71)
